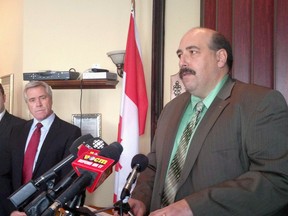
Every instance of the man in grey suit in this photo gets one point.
(55, 141)
(236, 162)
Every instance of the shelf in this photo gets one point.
(84, 84)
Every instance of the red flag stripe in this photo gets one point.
(134, 106)
(136, 88)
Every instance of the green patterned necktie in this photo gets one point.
(178, 160)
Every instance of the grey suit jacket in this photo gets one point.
(237, 163)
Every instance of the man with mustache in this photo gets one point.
(235, 159)
(56, 137)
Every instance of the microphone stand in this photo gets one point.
(122, 206)
(85, 211)
(75, 203)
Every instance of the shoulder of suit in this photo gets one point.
(251, 88)
(67, 124)
(13, 120)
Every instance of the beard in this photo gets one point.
(184, 71)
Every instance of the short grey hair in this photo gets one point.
(33, 84)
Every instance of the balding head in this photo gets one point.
(215, 41)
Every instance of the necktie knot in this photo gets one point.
(39, 125)
(199, 106)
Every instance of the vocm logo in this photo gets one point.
(95, 159)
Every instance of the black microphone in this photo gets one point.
(79, 184)
(30, 188)
(93, 168)
(45, 199)
(138, 164)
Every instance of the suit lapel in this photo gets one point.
(24, 136)
(53, 131)
(18, 152)
(3, 123)
(170, 133)
(211, 116)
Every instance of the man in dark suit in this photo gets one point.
(7, 121)
(236, 162)
(55, 141)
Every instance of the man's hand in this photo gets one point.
(137, 208)
(178, 208)
(17, 213)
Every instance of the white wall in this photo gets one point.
(180, 17)
(61, 34)
(11, 36)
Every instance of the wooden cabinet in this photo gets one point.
(82, 84)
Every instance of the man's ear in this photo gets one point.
(221, 56)
(4, 98)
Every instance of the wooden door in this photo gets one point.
(258, 32)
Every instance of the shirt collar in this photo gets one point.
(2, 114)
(46, 122)
(211, 96)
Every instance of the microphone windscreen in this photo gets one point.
(141, 161)
(96, 143)
(80, 140)
(112, 151)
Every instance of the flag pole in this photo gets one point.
(133, 6)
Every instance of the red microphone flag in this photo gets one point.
(95, 164)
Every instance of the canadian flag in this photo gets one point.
(134, 107)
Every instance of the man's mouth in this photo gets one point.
(39, 110)
(184, 71)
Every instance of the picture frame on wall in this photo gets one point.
(7, 82)
(88, 123)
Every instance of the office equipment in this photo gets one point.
(51, 75)
(99, 75)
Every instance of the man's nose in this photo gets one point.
(183, 62)
(38, 102)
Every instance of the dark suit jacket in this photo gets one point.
(55, 147)
(6, 124)
(237, 163)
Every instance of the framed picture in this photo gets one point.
(88, 123)
(8, 86)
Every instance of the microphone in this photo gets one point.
(28, 189)
(99, 164)
(43, 200)
(138, 164)
(95, 143)
(93, 168)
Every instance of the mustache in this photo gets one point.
(185, 70)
